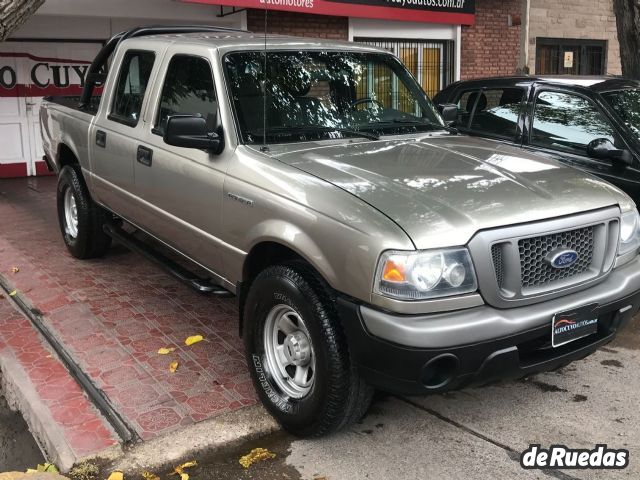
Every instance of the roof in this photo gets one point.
(594, 83)
(229, 40)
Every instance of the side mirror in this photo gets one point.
(449, 112)
(190, 131)
(604, 149)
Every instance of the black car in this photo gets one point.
(592, 123)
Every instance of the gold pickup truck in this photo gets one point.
(369, 244)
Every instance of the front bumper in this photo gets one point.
(420, 354)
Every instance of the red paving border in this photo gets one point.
(112, 314)
(79, 423)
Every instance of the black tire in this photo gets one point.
(338, 396)
(90, 241)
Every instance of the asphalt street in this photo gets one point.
(18, 449)
(477, 433)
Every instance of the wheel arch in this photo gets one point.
(275, 251)
(66, 156)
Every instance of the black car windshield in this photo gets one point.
(316, 95)
(626, 103)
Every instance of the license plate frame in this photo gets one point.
(574, 324)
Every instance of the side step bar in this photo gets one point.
(202, 285)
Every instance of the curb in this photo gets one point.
(21, 395)
(216, 434)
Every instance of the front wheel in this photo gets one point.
(298, 354)
(80, 219)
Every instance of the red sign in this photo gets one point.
(27, 75)
(459, 12)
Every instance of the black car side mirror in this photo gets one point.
(449, 112)
(604, 149)
(190, 131)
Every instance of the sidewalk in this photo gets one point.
(113, 314)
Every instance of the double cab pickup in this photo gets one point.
(369, 245)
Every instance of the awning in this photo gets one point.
(459, 12)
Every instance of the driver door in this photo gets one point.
(563, 123)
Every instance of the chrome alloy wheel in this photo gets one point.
(70, 214)
(288, 351)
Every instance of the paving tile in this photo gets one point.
(58, 391)
(113, 314)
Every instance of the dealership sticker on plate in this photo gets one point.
(574, 324)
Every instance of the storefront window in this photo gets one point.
(430, 62)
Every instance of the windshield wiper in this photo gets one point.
(314, 129)
(437, 126)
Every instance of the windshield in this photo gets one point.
(313, 95)
(626, 103)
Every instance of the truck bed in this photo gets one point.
(73, 102)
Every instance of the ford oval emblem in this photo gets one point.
(561, 258)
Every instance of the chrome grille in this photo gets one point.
(536, 272)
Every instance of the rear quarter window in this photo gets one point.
(131, 87)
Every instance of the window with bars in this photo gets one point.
(430, 61)
(570, 57)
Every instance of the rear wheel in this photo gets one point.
(298, 354)
(80, 219)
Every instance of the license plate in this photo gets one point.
(573, 324)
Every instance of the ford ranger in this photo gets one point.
(368, 244)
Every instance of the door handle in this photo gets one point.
(144, 155)
(101, 138)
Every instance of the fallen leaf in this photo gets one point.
(116, 476)
(179, 470)
(193, 339)
(173, 366)
(256, 455)
(150, 476)
(15, 269)
(13, 293)
(165, 350)
(48, 467)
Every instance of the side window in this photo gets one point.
(188, 90)
(131, 87)
(465, 107)
(568, 122)
(497, 112)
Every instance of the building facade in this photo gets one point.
(440, 41)
(577, 37)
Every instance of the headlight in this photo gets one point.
(425, 274)
(629, 232)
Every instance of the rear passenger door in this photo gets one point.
(496, 112)
(562, 123)
(181, 188)
(113, 136)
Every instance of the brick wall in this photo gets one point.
(299, 24)
(591, 19)
(491, 47)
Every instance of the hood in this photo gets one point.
(441, 189)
